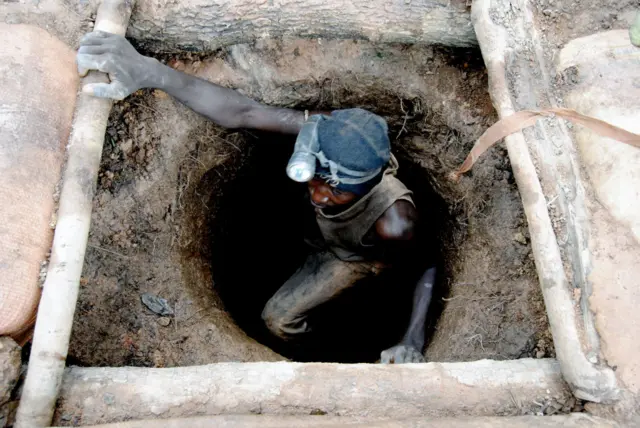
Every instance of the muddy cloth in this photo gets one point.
(322, 277)
(344, 232)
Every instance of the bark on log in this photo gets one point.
(206, 25)
(509, 43)
(480, 388)
(573, 420)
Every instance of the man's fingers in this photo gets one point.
(88, 58)
(92, 62)
(94, 49)
(401, 354)
(417, 357)
(94, 38)
(114, 90)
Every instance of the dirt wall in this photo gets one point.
(150, 209)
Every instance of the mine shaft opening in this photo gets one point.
(256, 215)
(257, 235)
(205, 217)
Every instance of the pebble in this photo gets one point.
(156, 304)
(141, 155)
(127, 146)
(519, 237)
(164, 321)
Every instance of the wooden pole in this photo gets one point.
(97, 395)
(60, 292)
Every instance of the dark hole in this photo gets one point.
(257, 243)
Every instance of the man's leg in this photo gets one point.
(322, 277)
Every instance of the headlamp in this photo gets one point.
(307, 155)
(302, 164)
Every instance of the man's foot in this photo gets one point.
(401, 354)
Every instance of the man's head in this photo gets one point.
(351, 149)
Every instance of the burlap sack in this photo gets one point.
(39, 82)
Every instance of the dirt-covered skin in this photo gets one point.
(165, 169)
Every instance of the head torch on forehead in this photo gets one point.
(307, 153)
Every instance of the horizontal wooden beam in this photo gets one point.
(206, 25)
(480, 388)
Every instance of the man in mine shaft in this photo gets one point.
(366, 216)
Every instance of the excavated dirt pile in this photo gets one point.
(206, 219)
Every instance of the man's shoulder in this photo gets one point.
(398, 222)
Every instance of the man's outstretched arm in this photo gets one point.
(410, 348)
(130, 71)
(397, 229)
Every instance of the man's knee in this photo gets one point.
(281, 324)
(271, 320)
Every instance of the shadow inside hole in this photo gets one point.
(256, 231)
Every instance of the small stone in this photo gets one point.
(177, 64)
(104, 198)
(141, 155)
(159, 94)
(540, 353)
(156, 304)
(164, 321)
(520, 238)
(127, 146)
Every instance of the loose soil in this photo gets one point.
(206, 219)
(559, 22)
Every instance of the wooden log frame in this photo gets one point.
(504, 35)
(479, 388)
(207, 25)
(60, 290)
(572, 420)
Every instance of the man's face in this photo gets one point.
(323, 195)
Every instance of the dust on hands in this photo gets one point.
(114, 55)
(401, 354)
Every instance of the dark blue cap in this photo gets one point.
(357, 140)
